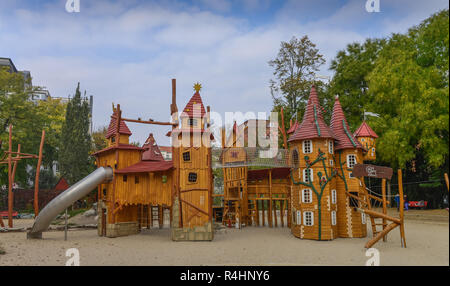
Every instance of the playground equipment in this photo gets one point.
(65, 199)
(317, 179)
(8, 158)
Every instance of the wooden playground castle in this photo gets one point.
(317, 189)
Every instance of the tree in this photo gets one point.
(74, 159)
(295, 67)
(28, 119)
(411, 92)
(351, 67)
(99, 139)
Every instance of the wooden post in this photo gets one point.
(282, 212)
(383, 193)
(10, 194)
(389, 192)
(269, 215)
(161, 216)
(15, 166)
(402, 205)
(446, 179)
(257, 211)
(36, 182)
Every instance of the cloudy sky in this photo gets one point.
(127, 51)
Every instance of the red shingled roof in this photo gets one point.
(152, 160)
(152, 152)
(308, 128)
(113, 127)
(365, 131)
(339, 125)
(195, 101)
(292, 127)
(146, 167)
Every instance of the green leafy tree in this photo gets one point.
(74, 159)
(28, 119)
(99, 139)
(412, 96)
(351, 67)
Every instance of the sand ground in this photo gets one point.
(427, 237)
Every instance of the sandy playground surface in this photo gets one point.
(427, 237)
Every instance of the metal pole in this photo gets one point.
(65, 226)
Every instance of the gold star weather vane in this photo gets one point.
(197, 87)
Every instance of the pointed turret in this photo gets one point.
(339, 125)
(313, 125)
(152, 152)
(112, 128)
(367, 137)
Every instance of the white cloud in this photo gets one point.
(127, 52)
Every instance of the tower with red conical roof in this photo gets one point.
(367, 137)
(311, 149)
(192, 202)
(348, 152)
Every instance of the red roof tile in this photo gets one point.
(152, 152)
(339, 126)
(308, 129)
(120, 147)
(195, 104)
(147, 166)
(365, 131)
(113, 127)
(292, 127)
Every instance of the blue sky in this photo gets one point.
(127, 51)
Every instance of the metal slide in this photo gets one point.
(65, 199)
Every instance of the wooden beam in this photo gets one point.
(381, 234)
(402, 205)
(380, 215)
(282, 212)
(38, 170)
(149, 122)
(383, 194)
(270, 198)
(191, 205)
(446, 180)
(10, 194)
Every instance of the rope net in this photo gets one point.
(250, 157)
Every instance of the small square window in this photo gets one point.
(331, 162)
(187, 156)
(308, 218)
(333, 196)
(125, 178)
(307, 146)
(307, 178)
(192, 122)
(192, 177)
(164, 179)
(351, 161)
(306, 196)
(136, 179)
(330, 147)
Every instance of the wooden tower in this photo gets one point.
(116, 218)
(311, 148)
(367, 137)
(192, 200)
(348, 152)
